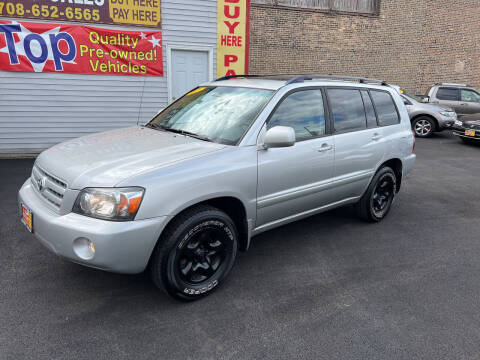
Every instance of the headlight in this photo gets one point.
(448, 113)
(458, 123)
(116, 204)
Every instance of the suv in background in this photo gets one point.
(462, 98)
(427, 118)
(227, 161)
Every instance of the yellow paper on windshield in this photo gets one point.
(196, 91)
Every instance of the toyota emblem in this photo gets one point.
(41, 183)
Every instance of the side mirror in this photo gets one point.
(279, 136)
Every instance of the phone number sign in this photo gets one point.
(125, 12)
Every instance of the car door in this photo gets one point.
(359, 143)
(449, 97)
(469, 101)
(295, 179)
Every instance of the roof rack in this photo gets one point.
(361, 80)
(234, 76)
(298, 78)
(453, 84)
(273, 76)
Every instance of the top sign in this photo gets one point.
(125, 12)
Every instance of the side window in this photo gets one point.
(304, 112)
(369, 111)
(386, 110)
(447, 94)
(469, 96)
(347, 109)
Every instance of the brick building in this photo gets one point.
(410, 43)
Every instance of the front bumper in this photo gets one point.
(461, 132)
(445, 122)
(123, 247)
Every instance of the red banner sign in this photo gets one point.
(35, 47)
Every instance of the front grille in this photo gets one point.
(48, 186)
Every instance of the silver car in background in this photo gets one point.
(227, 161)
(428, 118)
(462, 98)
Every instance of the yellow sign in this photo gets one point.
(145, 13)
(233, 37)
(136, 12)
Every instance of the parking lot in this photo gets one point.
(327, 287)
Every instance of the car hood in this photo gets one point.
(473, 119)
(107, 158)
(475, 123)
(435, 108)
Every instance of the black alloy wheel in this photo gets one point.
(202, 256)
(195, 253)
(377, 201)
(383, 195)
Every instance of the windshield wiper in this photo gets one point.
(182, 132)
(188, 133)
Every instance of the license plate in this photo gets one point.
(27, 218)
(470, 132)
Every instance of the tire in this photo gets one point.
(375, 204)
(423, 127)
(195, 253)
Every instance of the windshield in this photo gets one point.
(220, 114)
(414, 97)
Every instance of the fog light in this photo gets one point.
(84, 248)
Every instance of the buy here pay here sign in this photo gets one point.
(233, 37)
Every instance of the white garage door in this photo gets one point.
(189, 69)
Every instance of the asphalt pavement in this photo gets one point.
(327, 287)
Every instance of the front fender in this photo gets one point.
(231, 173)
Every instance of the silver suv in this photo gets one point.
(227, 161)
(462, 98)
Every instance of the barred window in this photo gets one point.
(353, 6)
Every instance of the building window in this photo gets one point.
(349, 6)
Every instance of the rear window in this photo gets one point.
(386, 110)
(347, 109)
(447, 94)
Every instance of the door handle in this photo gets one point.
(376, 137)
(325, 147)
